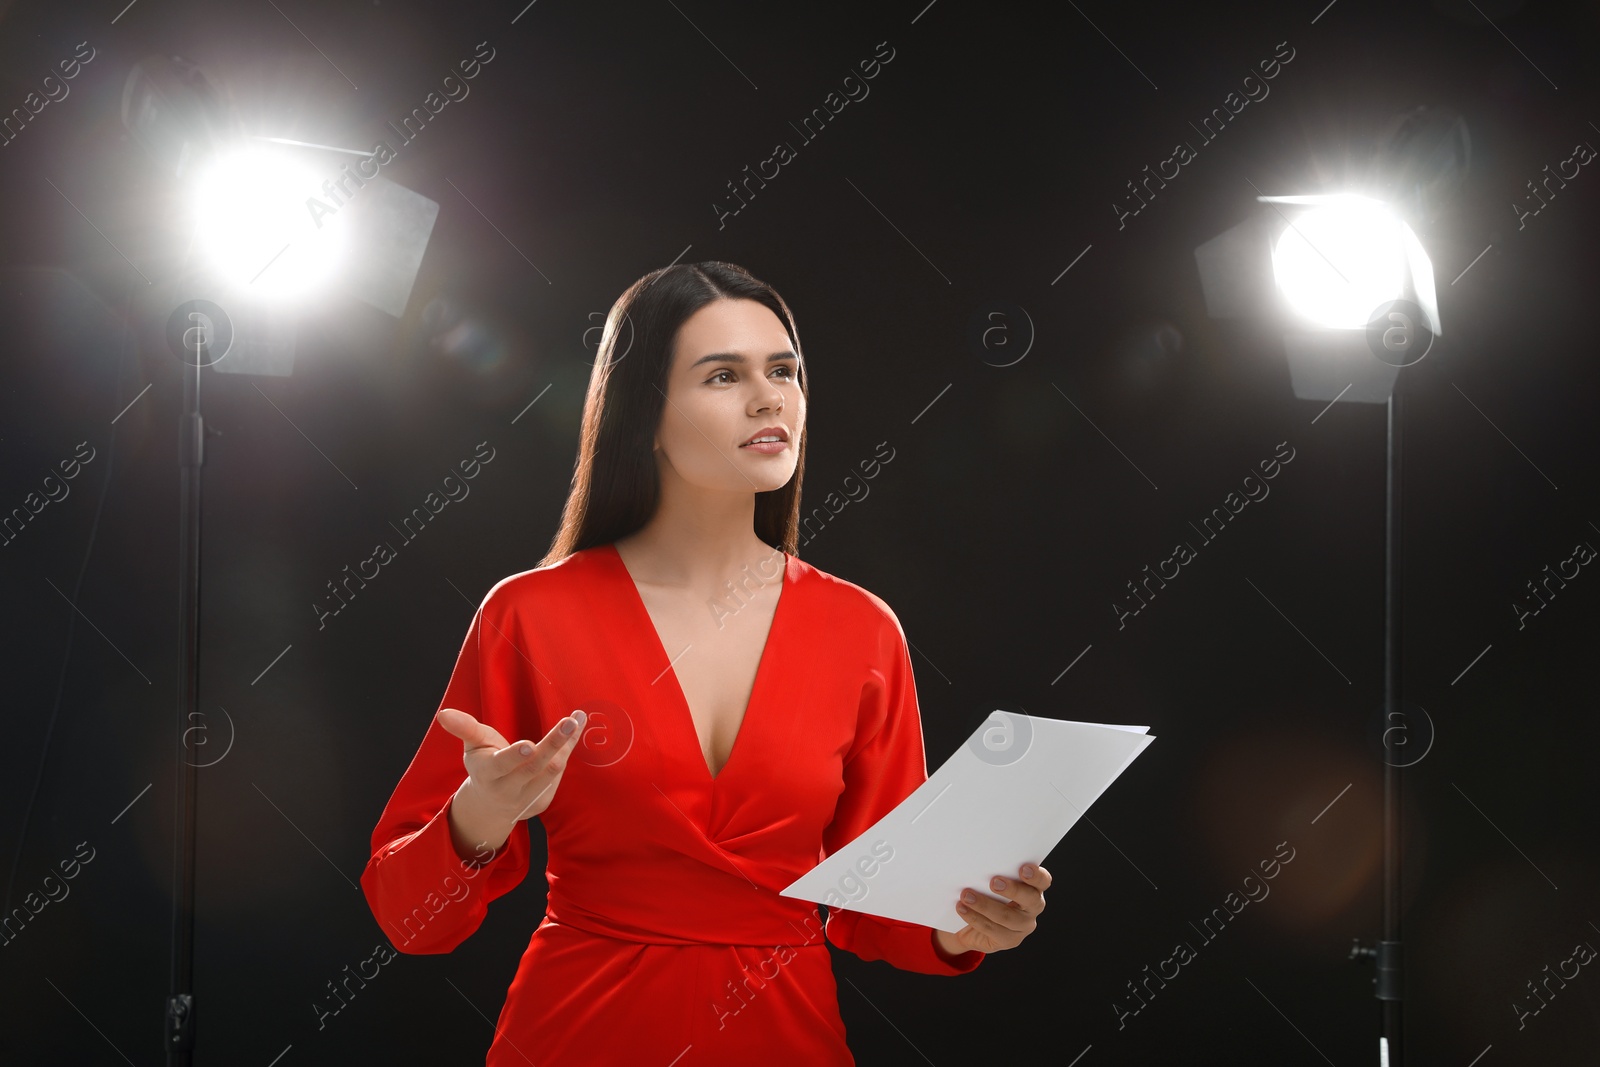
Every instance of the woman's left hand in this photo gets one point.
(993, 925)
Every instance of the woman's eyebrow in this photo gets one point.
(734, 357)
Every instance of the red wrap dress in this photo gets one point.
(664, 938)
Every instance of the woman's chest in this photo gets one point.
(716, 656)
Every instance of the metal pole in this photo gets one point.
(1389, 986)
(180, 1000)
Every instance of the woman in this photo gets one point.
(735, 715)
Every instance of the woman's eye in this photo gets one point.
(788, 373)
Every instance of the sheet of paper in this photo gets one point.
(1006, 797)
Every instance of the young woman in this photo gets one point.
(715, 716)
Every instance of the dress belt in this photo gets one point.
(790, 934)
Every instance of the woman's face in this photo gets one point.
(734, 375)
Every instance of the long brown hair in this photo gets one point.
(616, 485)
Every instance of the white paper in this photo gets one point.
(1006, 797)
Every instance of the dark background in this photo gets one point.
(1007, 524)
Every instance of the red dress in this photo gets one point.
(664, 938)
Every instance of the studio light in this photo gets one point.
(251, 221)
(1341, 276)
(276, 226)
(1346, 280)
(1340, 260)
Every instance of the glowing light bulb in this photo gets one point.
(254, 225)
(1338, 262)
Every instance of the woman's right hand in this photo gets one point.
(510, 782)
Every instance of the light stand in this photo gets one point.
(1334, 362)
(171, 109)
(191, 459)
(1389, 983)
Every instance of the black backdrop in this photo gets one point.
(1020, 500)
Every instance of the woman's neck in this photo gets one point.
(694, 549)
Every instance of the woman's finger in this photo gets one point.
(538, 777)
(469, 730)
(1036, 876)
(991, 916)
(524, 755)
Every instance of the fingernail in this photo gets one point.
(999, 883)
(567, 726)
(581, 716)
(1027, 870)
(525, 750)
(970, 897)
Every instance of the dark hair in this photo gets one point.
(616, 485)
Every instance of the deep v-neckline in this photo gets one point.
(751, 705)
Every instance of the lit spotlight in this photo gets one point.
(277, 220)
(1342, 276)
(1338, 261)
(251, 220)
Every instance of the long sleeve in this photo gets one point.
(886, 763)
(426, 898)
